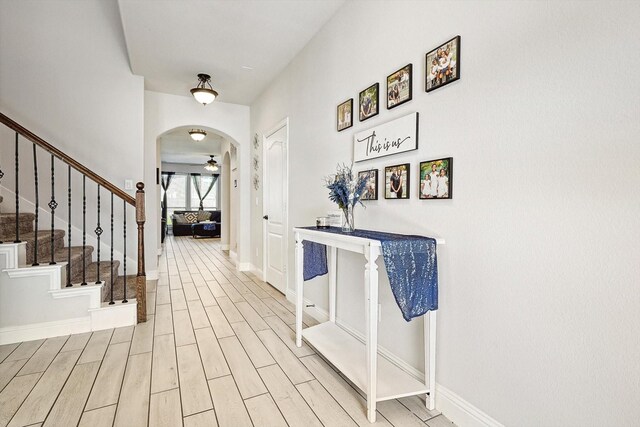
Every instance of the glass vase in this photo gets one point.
(347, 222)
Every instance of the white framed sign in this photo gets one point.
(396, 136)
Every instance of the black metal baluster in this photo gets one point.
(84, 230)
(35, 172)
(52, 205)
(98, 233)
(111, 272)
(69, 228)
(124, 257)
(17, 196)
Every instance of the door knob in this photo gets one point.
(265, 217)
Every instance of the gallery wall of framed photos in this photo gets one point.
(434, 177)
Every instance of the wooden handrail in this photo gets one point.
(68, 160)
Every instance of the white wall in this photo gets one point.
(164, 112)
(70, 82)
(64, 74)
(539, 278)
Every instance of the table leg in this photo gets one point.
(333, 272)
(371, 297)
(431, 371)
(299, 289)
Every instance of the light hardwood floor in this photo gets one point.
(218, 350)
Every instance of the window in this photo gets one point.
(211, 200)
(182, 196)
(177, 195)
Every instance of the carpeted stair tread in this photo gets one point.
(10, 217)
(44, 242)
(91, 274)
(31, 235)
(8, 223)
(118, 288)
(62, 255)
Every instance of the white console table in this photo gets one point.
(376, 376)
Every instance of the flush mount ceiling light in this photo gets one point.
(211, 165)
(201, 93)
(197, 134)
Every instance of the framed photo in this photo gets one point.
(369, 102)
(399, 86)
(436, 179)
(345, 115)
(443, 64)
(396, 181)
(371, 190)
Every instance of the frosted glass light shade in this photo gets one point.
(203, 95)
(197, 134)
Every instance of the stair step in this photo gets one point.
(91, 274)
(44, 242)
(8, 224)
(75, 263)
(118, 288)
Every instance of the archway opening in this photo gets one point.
(192, 187)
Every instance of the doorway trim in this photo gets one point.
(282, 123)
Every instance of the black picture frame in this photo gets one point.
(443, 189)
(369, 102)
(405, 187)
(346, 108)
(372, 188)
(435, 77)
(400, 86)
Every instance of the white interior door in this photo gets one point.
(275, 202)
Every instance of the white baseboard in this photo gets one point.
(153, 275)
(105, 317)
(114, 316)
(461, 412)
(224, 246)
(243, 266)
(256, 272)
(316, 312)
(36, 331)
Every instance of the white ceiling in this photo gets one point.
(176, 146)
(169, 42)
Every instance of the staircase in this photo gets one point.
(51, 284)
(80, 257)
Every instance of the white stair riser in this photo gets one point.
(34, 304)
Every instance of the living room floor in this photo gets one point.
(217, 350)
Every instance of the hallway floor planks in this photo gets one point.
(218, 349)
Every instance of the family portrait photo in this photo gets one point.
(371, 189)
(396, 180)
(399, 86)
(436, 179)
(443, 64)
(369, 102)
(345, 115)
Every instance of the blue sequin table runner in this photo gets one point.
(411, 263)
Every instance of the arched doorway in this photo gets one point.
(179, 154)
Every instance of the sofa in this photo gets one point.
(182, 227)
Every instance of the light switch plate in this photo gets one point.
(128, 184)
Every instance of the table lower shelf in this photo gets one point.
(348, 354)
